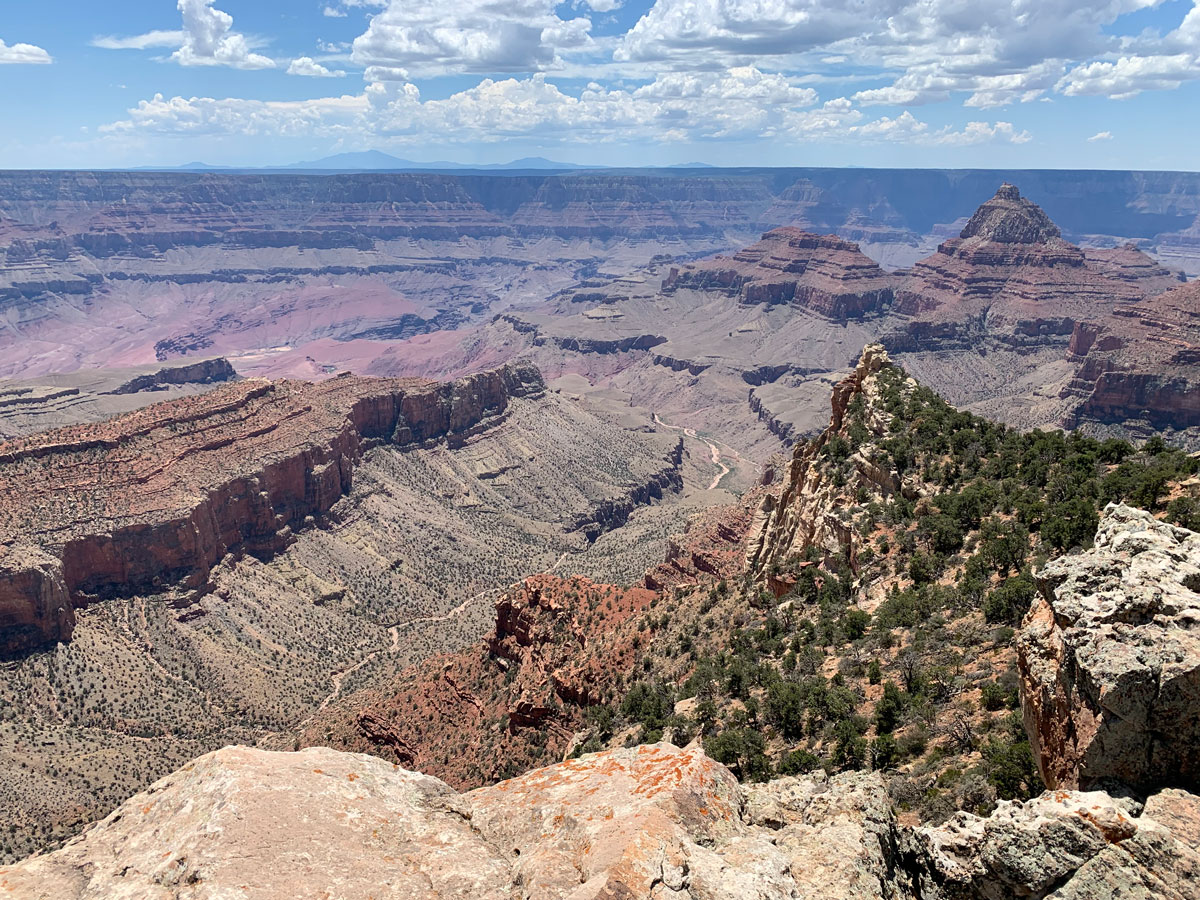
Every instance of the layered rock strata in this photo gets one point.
(1141, 362)
(1010, 276)
(1109, 658)
(156, 497)
(823, 273)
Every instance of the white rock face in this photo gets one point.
(1110, 658)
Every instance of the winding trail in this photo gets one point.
(717, 456)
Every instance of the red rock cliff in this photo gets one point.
(160, 495)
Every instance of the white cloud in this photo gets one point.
(429, 37)
(1130, 75)
(147, 41)
(600, 5)
(996, 52)
(740, 103)
(305, 65)
(23, 54)
(982, 133)
(1100, 136)
(334, 13)
(209, 39)
(179, 116)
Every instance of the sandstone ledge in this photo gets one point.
(653, 821)
(158, 496)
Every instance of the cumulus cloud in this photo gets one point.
(1100, 136)
(333, 12)
(429, 37)
(740, 103)
(996, 52)
(207, 39)
(23, 54)
(1130, 75)
(179, 116)
(982, 133)
(305, 65)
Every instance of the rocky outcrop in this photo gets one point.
(1140, 363)
(650, 821)
(1110, 658)
(811, 509)
(205, 371)
(644, 822)
(823, 273)
(35, 606)
(157, 496)
(1065, 845)
(254, 824)
(468, 716)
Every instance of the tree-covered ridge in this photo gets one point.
(896, 655)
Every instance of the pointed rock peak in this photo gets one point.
(1008, 218)
(874, 358)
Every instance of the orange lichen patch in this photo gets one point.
(352, 776)
(318, 772)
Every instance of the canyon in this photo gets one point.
(307, 540)
(579, 495)
(655, 818)
(747, 345)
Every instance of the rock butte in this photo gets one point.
(823, 273)
(1011, 277)
(158, 496)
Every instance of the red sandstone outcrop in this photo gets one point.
(713, 547)
(518, 698)
(823, 273)
(558, 646)
(1011, 277)
(1109, 657)
(159, 495)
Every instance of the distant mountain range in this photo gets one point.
(377, 161)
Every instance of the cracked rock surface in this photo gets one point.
(1110, 658)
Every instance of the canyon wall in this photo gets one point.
(158, 496)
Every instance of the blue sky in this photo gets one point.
(970, 83)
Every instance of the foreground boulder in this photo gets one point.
(253, 824)
(1065, 845)
(643, 822)
(1110, 658)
